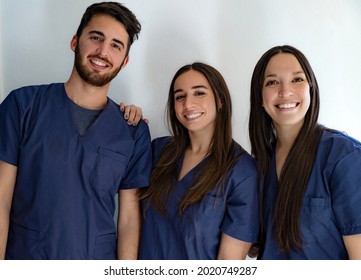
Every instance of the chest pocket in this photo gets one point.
(109, 169)
(315, 220)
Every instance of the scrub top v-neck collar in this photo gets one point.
(93, 126)
(191, 172)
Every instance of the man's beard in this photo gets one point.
(92, 77)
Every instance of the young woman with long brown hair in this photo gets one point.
(202, 202)
(309, 175)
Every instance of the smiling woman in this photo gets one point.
(202, 199)
(303, 168)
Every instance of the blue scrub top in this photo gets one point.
(63, 205)
(331, 205)
(196, 234)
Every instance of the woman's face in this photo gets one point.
(194, 102)
(285, 91)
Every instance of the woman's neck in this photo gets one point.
(196, 152)
(199, 143)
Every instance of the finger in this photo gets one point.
(127, 112)
(138, 115)
(122, 106)
(135, 115)
(131, 115)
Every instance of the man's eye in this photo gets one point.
(95, 38)
(117, 47)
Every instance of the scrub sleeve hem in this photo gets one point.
(135, 185)
(243, 237)
(351, 230)
(8, 159)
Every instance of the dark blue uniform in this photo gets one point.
(196, 234)
(63, 205)
(331, 205)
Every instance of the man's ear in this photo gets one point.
(125, 61)
(73, 43)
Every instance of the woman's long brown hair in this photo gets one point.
(299, 162)
(221, 153)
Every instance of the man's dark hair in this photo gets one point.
(118, 12)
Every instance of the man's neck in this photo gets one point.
(86, 95)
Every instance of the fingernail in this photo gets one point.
(129, 122)
(126, 117)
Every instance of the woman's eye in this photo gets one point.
(199, 93)
(298, 80)
(271, 82)
(179, 97)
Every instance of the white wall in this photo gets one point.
(228, 34)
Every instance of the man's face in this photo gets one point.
(101, 50)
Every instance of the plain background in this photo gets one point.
(231, 35)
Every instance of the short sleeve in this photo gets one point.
(10, 129)
(140, 164)
(241, 220)
(346, 193)
(158, 146)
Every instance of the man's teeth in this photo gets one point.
(98, 62)
(192, 116)
(287, 106)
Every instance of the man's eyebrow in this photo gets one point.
(103, 35)
(119, 42)
(96, 32)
